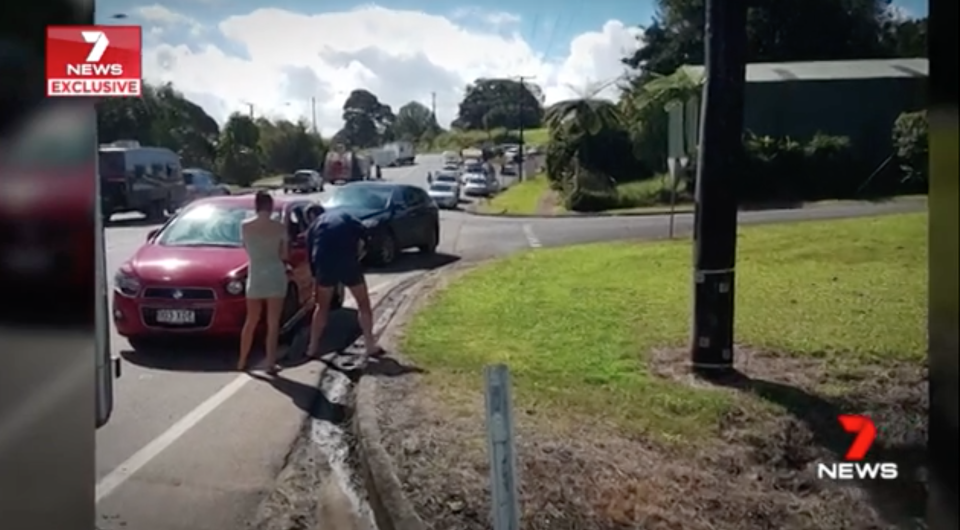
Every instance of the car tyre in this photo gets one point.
(430, 247)
(155, 211)
(386, 249)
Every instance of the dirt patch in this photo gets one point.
(548, 203)
(759, 472)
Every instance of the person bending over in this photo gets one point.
(335, 242)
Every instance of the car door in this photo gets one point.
(298, 260)
(420, 209)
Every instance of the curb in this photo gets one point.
(391, 508)
(587, 215)
(572, 215)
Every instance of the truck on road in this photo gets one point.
(404, 151)
(134, 178)
(342, 165)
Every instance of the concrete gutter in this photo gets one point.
(391, 508)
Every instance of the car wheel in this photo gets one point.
(386, 249)
(430, 247)
(155, 211)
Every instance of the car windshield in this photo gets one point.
(364, 197)
(476, 180)
(207, 225)
(442, 187)
(446, 178)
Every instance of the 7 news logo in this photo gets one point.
(854, 468)
(99, 61)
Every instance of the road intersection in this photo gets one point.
(193, 445)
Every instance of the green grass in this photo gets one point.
(538, 137)
(574, 324)
(268, 182)
(522, 198)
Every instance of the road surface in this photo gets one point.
(193, 445)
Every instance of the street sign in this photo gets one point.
(503, 462)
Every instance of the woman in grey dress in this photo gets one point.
(265, 240)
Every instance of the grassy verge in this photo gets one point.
(268, 182)
(522, 198)
(576, 324)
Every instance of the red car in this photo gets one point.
(188, 279)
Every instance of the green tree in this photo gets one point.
(415, 122)
(238, 152)
(162, 117)
(493, 103)
(288, 146)
(366, 121)
(785, 30)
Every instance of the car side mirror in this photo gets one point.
(152, 234)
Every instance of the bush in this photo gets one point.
(587, 200)
(784, 169)
(911, 149)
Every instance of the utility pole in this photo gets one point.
(249, 106)
(520, 101)
(313, 111)
(719, 163)
(433, 105)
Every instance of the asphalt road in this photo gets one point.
(195, 446)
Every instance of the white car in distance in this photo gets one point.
(476, 185)
(445, 194)
(448, 177)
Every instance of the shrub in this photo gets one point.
(587, 200)
(911, 148)
(784, 169)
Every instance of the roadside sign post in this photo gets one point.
(503, 464)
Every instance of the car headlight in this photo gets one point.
(235, 287)
(126, 283)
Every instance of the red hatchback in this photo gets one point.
(189, 277)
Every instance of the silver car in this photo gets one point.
(445, 194)
(202, 184)
(476, 185)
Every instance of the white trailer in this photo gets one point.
(404, 150)
(383, 157)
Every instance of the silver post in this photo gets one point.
(503, 464)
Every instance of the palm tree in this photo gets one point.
(572, 124)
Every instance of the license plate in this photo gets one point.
(176, 316)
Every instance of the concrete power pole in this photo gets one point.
(522, 96)
(313, 111)
(720, 157)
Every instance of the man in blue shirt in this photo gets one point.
(335, 245)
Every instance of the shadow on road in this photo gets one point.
(901, 501)
(198, 355)
(412, 261)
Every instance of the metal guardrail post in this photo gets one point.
(503, 472)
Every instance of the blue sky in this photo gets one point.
(280, 56)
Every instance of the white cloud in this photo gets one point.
(164, 18)
(398, 55)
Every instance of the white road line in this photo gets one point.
(141, 458)
(124, 471)
(531, 237)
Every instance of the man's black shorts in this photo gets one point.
(332, 273)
